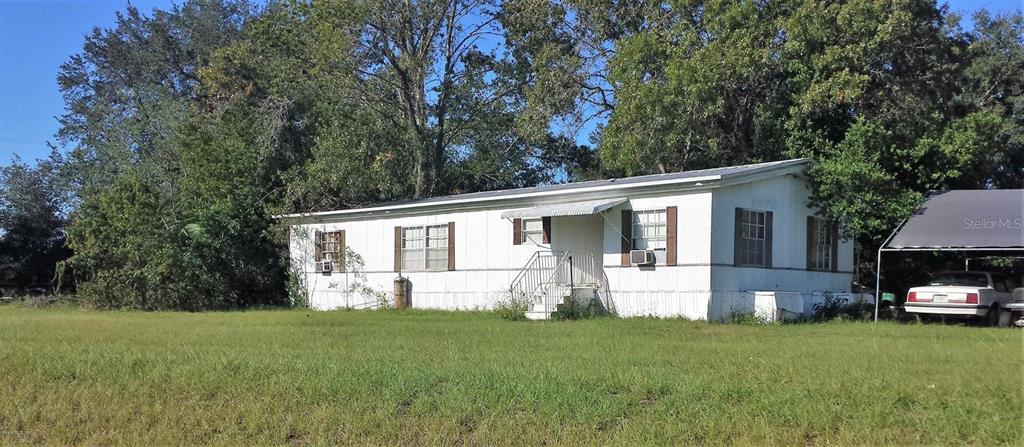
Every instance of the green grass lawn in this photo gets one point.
(295, 377)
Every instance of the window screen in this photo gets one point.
(751, 249)
(649, 230)
(425, 248)
(533, 231)
(821, 243)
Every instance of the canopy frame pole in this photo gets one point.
(878, 283)
(878, 265)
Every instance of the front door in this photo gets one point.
(582, 236)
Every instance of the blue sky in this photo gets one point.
(37, 36)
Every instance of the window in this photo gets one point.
(425, 248)
(969, 279)
(649, 230)
(533, 231)
(752, 239)
(821, 242)
(329, 246)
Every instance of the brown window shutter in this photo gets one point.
(737, 240)
(451, 245)
(316, 246)
(342, 249)
(398, 249)
(517, 231)
(316, 251)
(545, 223)
(810, 243)
(627, 236)
(835, 246)
(768, 237)
(670, 235)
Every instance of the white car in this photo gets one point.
(972, 294)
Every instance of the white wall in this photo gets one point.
(703, 284)
(787, 197)
(660, 290)
(485, 262)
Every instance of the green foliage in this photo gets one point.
(188, 128)
(32, 222)
(200, 241)
(695, 95)
(832, 308)
(570, 309)
(891, 97)
(746, 319)
(512, 308)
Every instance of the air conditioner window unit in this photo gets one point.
(326, 266)
(641, 257)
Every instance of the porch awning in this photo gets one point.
(964, 220)
(563, 209)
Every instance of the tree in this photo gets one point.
(301, 107)
(391, 89)
(994, 94)
(889, 96)
(190, 127)
(32, 222)
(134, 82)
(171, 189)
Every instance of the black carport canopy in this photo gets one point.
(975, 220)
(961, 220)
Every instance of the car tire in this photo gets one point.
(992, 317)
(1005, 318)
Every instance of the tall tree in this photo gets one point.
(32, 223)
(401, 87)
(170, 188)
(890, 96)
(132, 83)
(994, 93)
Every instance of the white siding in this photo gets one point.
(703, 284)
(787, 197)
(660, 290)
(485, 261)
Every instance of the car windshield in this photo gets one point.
(960, 279)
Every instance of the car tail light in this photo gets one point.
(972, 298)
(912, 297)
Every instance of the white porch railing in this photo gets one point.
(549, 277)
(539, 270)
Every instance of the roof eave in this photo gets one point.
(455, 204)
(448, 205)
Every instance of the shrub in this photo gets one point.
(832, 308)
(512, 309)
(573, 310)
(746, 318)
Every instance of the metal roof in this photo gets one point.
(964, 220)
(701, 175)
(563, 209)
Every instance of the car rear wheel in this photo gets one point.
(992, 317)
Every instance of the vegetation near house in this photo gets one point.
(186, 128)
(276, 377)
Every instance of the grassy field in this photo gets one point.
(294, 377)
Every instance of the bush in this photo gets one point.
(572, 310)
(746, 318)
(832, 308)
(512, 309)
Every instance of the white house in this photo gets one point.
(698, 244)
